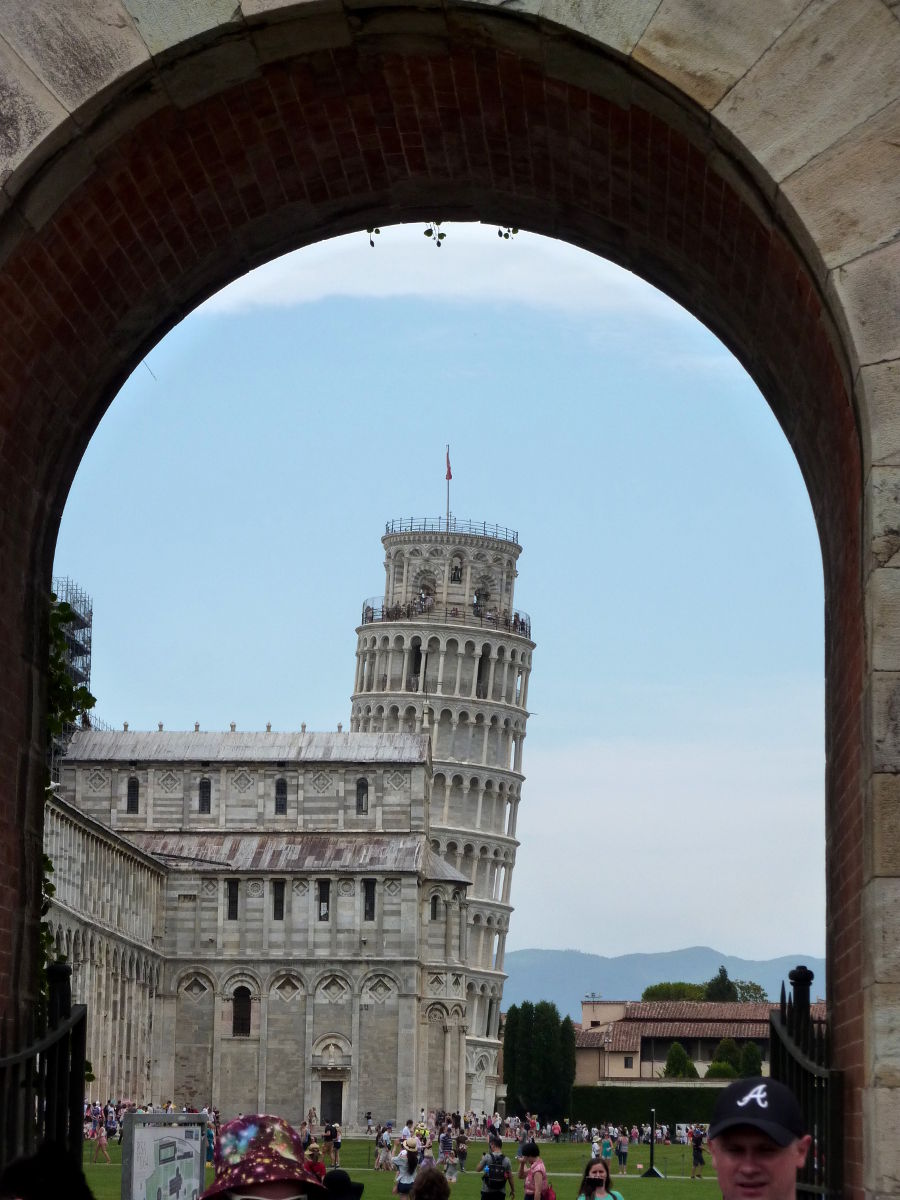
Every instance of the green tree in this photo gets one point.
(546, 1058)
(567, 1064)
(729, 1052)
(749, 992)
(677, 990)
(66, 702)
(720, 1070)
(751, 1061)
(524, 1059)
(720, 987)
(678, 1064)
(511, 1055)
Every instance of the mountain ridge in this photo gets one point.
(566, 976)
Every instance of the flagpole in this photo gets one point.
(448, 487)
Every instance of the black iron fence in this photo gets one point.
(800, 1055)
(42, 1086)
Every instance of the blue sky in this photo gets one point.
(227, 519)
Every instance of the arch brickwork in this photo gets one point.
(741, 162)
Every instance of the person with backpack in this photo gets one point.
(533, 1171)
(495, 1171)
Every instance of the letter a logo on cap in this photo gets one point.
(758, 1094)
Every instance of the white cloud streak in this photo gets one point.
(472, 266)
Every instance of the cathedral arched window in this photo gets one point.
(362, 796)
(280, 797)
(204, 804)
(435, 907)
(240, 1012)
(134, 791)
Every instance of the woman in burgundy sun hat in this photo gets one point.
(261, 1156)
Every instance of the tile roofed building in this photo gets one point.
(257, 915)
(91, 745)
(622, 1040)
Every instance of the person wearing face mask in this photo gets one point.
(596, 1183)
(261, 1156)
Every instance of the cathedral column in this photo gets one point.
(448, 1059)
(218, 1033)
(353, 1089)
(263, 1039)
(461, 1071)
(448, 930)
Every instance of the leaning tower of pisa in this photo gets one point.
(447, 649)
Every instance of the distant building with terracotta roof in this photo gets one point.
(627, 1040)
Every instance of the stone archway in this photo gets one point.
(741, 161)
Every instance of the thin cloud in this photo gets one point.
(472, 266)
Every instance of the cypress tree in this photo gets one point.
(511, 1058)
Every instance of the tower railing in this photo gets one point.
(484, 616)
(451, 525)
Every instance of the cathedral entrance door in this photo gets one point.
(332, 1101)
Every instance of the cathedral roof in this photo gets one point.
(300, 852)
(94, 745)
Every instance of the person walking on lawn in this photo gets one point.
(496, 1171)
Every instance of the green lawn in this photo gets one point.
(565, 1164)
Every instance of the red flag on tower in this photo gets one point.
(449, 474)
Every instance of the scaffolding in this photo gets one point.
(78, 634)
(79, 630)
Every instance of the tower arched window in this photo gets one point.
(280, 797)
(134, 792)
(204, 803)
(362, 796)
(240, 1012)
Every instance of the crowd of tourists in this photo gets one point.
(757, 1137)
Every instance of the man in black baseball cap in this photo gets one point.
(758, 1140)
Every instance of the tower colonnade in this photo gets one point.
(447, 651)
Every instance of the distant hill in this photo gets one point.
(567, 976)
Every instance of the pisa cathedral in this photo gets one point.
(276, 921)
